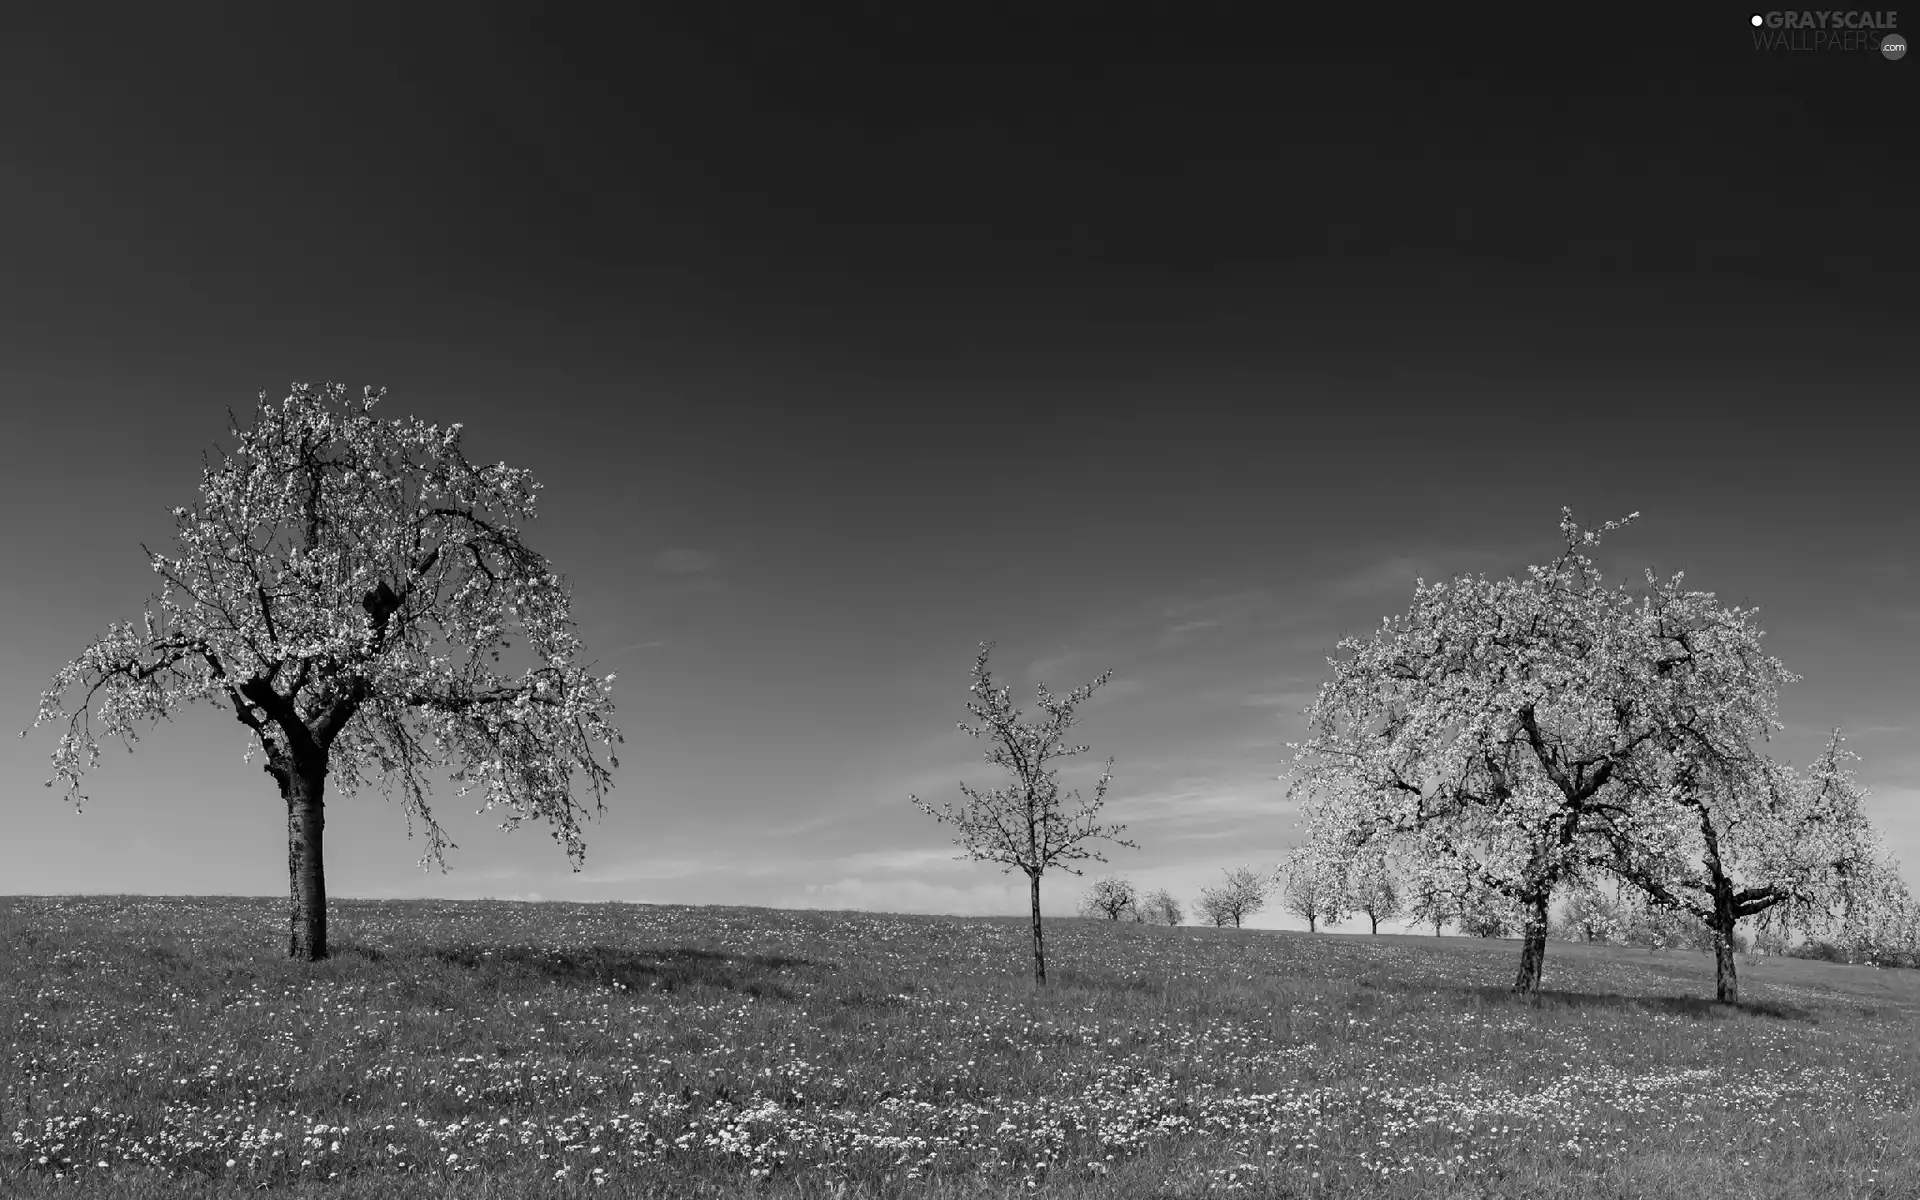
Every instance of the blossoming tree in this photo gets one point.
(1026, 825)
(1517, 728)
(1112, 898)
(1754, 838)
(1158, 907)
(1316, 886)
(342, 586)
(1437, 890)
(1243, 893)
(1373, 891)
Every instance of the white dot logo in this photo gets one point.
(1758, 20)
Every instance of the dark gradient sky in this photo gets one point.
(844, 343)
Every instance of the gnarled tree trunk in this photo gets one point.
(304, 788)
(1533, 949)
(1726, 984)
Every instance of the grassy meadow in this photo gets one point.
(163, 1048)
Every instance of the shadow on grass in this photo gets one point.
(653, 970)
(640, 970)
(1694, 1007)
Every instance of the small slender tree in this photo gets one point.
(1026, 825)
(341, 586)
(1111, 898)
(1243, 894)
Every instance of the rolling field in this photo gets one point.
(162, 1047)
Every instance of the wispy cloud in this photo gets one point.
(1895, 811)
(1050, 668)
(899, 860)
(1293, 700)
(1190, 616)
(1393, 574)
(1389, 575)
(1204, 835)
(649, 644)
(932, 783)
(643, 870)
(682, 562)
(1192, 799)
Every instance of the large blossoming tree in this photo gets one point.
(343, 586)
(1517, 729)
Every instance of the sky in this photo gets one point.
(845, 342)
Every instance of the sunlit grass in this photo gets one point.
(161, 1047)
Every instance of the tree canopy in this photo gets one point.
(1523, 729)
(1243, 893)
(344, 586)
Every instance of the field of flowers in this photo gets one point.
(161, 1047)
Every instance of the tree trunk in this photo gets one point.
(1313, 926)
(1726, 984)
(305, 792)
(1375, 922)
(1039, 945)
(1533, 948)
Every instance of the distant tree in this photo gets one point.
(1160, 908)
(1433, 898)
(1316, 887)
(1243, 894)
(1652, 926)
(1431, 906)
(1594, 915)
(341, 585)
(1486, 913)
(1111, 898)
(1213, 907)
(1025, 825)
(1372, 890)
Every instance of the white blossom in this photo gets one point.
(341, 585)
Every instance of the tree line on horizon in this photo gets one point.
(1508, 745)
(1505, 750)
